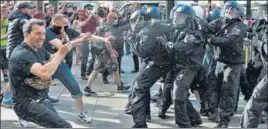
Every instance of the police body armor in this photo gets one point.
(189, 50)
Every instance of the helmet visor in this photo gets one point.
(231, 12)
(180, 18)
(137, 23)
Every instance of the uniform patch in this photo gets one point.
(189, 38)
(236, 31)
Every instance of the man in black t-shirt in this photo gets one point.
(31, 68)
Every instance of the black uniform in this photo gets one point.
(188, 54)
(166, 99)
(255, 70)
(148, 47)
(258, 101)
(229, 35)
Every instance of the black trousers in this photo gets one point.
(256, 105)
(228, 78)
(85, 51)
(136, 61)
(141, 92)
(130, 97)
(40, 112)
(183, 81)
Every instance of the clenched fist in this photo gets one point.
(64, 49)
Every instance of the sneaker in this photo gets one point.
(134, 71)
(89, 91)
(5, 78)
(84, 117)
(84, 78)
(7, 104)
(122, 71)
(123, 88)
(105, 80)
(52, 100)
(26, 124)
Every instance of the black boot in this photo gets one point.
(140, 125)
(221, 125)
(196, 122)
(203, 110)
(128, 111)
(213, 116)
(148, 118)
(52, 100)
(162, 113)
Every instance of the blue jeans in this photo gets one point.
(65, 76)
(8, 97)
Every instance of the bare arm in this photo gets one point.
(84, 23)
(75, 23)
(44, 72)
(73, 16)
(62, 9)
(108, 45)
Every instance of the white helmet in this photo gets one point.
(199, 12)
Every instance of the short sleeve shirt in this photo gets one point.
(50, 35)
(20, 63)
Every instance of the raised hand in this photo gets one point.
(64, 49)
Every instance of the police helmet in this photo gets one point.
(171, 16)
(138, 19)
(199, 11)
(232, 10)
(154, 12)
(213, 14)
(184, 16)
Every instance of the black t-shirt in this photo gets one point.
(48, 20)
(20, 63)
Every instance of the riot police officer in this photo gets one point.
(258, 101)
(154, 13)
(188, 52)
(147, 47)
(229, 35)
(209, 66)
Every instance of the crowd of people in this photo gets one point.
(187, 52)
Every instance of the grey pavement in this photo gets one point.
(108, 112)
